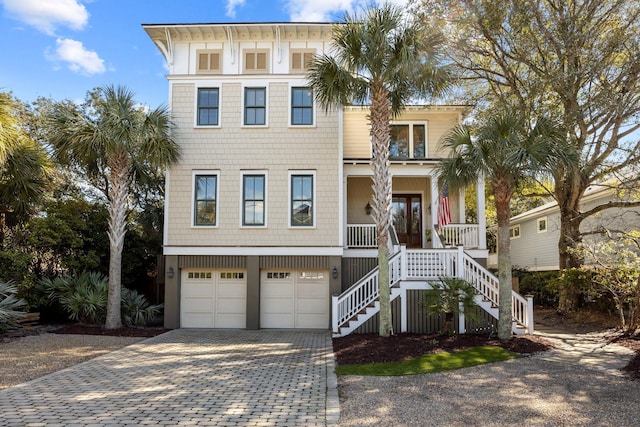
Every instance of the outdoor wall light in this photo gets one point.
(170, 273)
(367, 209)
(334, 272)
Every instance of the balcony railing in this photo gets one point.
(465, 235)
(361, 236)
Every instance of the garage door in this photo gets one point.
(213, 299)
(294, 299)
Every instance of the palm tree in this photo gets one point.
(24, 164)
(382, 57)
(507, 151)
(116, 140)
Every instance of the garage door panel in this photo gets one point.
(212, 299)
(197, 320)
(301, 301)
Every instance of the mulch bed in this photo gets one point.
(633, 368)
(125, 331)
(372, 348)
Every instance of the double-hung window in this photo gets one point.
(302, 195)
(408, 141)
(255, 106)
(205, 200)
(301, 106)
(208, 106)
(253, 200)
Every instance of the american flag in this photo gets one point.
(444, 211)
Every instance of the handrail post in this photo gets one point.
(403, 262)
(529, 313)
(460, 263)
(334, 313)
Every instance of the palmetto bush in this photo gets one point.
(84, 298)
(10, 305)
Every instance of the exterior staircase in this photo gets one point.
(360, 302)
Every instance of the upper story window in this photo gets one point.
(301, 106)
(208, 106)
(408, 141)
(514, 232)
(255, 106)
(300, 60)
(302, 195)
(542, 225)
(205, 199)
(209, 61)
(253, 200)
(256, 61)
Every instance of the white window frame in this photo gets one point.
(255, 85)
(412, 123)
(213, 85)
(266, 193)
(546, 224)
(513, 234)
(290, 200)
(297, 85)
(194, 174)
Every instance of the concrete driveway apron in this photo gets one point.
(189, 377)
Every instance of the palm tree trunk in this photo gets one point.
(118, 194)
(380, 135)
(505, 316)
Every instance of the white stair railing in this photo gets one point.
(363, 293)
(488, 286)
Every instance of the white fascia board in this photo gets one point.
(254, 251)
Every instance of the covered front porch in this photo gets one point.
(414, 209)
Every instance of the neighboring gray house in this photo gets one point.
(535, 233)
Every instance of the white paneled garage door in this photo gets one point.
(213, 299)
(294, 299)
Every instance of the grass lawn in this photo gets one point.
(429, 363)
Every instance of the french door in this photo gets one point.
(406, 212)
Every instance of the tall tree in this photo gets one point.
(384, 58)
(577, 60)
(24, 164)
(114, 138)
(506, 149)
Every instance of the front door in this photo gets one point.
(406, 211)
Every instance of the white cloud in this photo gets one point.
(47, 15)
(322, 11)
(77, 57)
(231, 7)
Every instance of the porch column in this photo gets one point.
(344, 211)
(435, 194)
(461, 206)
(482, 216)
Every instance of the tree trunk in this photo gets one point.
(118, 194)
(568, 193)
(380, 135)
(505, 314)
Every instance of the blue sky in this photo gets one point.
(62, 48)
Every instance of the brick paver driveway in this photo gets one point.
(189, 377)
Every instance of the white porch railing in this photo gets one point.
(466, 235)
(428, 264)
(361, 236)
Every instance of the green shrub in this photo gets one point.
(447, 296)
(15, 266)
(10, 306)
(84, 298)
(539, 284)
(136, 310)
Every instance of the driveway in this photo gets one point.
(189, 377)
